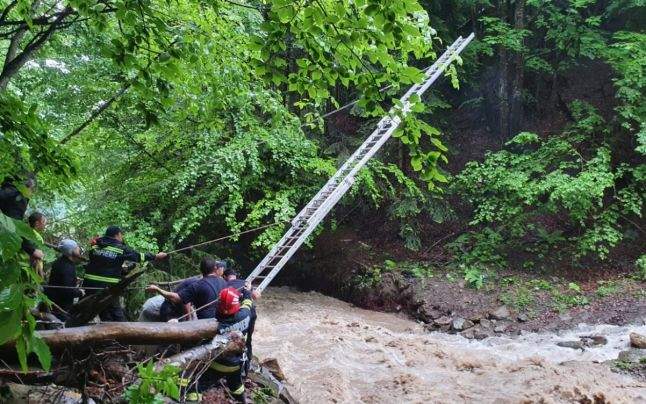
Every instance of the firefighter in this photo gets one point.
(38, 222)
(233, 314)
(64, 274)
(231, 276)
(13, 202)
(105, 268)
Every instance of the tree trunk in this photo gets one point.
(13, 66)
(205, 353)
(502, 88)
(516, 96)
(88, 308)
(133, 333)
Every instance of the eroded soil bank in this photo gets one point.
(331, 351)
(351, 266)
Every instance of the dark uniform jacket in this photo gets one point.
(169, 309)
(239, 284)
(204, 291)
(237, 322)
(63, 274)
(12, 202)
(106, 259)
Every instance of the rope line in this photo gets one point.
(226, 237)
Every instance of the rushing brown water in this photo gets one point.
(331, 351)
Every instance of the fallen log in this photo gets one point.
(130, 333)
(221, 344)
(86, 309)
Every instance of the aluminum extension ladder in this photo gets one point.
(317, 208)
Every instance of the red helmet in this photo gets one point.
(229, 303)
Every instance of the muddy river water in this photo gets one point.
(331, 351)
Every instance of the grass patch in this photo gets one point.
(607, 288)
(520, 298)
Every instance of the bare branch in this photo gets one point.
(96, 113)
(11, 68)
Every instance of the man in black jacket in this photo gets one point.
(12, 202)
(201, 294)
(105, 268)
(63, 275)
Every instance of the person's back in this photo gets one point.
(63, 275)
(106, 259)
(231, 277)
(105, 268)
(206, 291)
(170, 310)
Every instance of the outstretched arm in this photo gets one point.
(170, 296)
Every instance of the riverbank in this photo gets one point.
(388, 278)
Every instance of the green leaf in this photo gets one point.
(21, 350)
(9, 325)
(41, 350)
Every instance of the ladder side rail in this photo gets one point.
(308, 228)
(305, 223)
(432, 75)
(463, 44)
(448, 54)
(274, 250)
(338, 194)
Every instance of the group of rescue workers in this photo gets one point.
(217, 293)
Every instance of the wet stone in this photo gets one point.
(501, 313)
(486, 323)
(637, 340)
(633, 355)
(443, 321)
(570, 344)
(594, 340)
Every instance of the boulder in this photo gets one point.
(571, 344)
(469, 334)
(594, 340)
(460, 324)
(428, 313)
(443, 321)
(501, 313)
(484, 323)
(480, 333)
(633, 355)
(637, 340)
(271, 364)
(522, 318)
